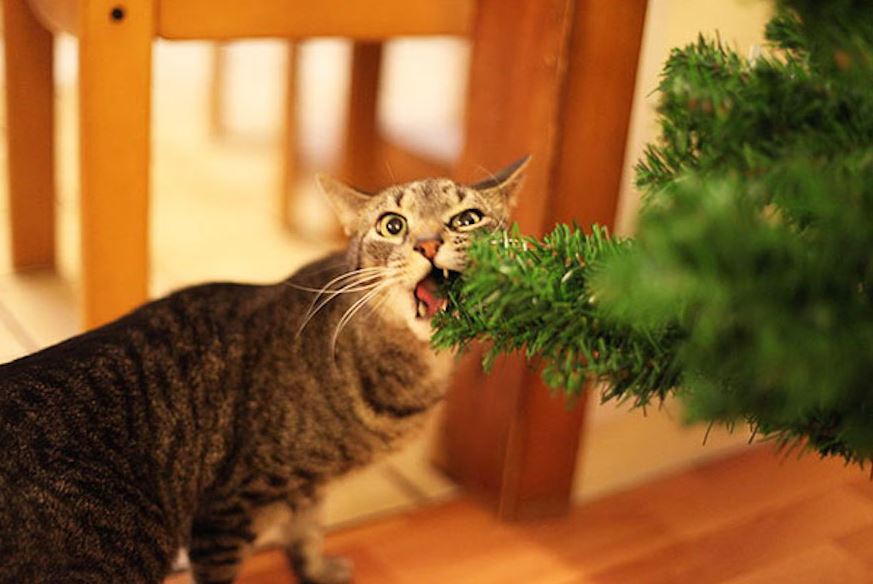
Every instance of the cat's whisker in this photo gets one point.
(347, 317)
(488, 172)
(356, 277)
(356, 307)
(329, 266)
(361, 274)
(336, 280)
(390, 171)
(360, 303)
(379, 304)
(321, 291)
(314, 310)
(343, 282)
(318, 302)
(350, 312)
(359, 284)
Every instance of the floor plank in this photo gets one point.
(752, 518)
(821, 563)
(740, 547)
(859, 544)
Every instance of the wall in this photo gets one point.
(620, 447)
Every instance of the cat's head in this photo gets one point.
(406, 239)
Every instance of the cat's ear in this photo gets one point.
(347, 202)
(504, 185)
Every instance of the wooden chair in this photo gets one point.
(550, 78)
(115, 48)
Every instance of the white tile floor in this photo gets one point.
(213, 218)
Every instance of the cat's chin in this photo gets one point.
(400, 310)
(421, 328)
(406, 312)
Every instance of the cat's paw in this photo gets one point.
(331, 570)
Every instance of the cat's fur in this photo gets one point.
(199, 418)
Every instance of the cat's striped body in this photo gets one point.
(185, 417)
(195, 419)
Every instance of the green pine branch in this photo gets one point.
(533, 296)
(748, 290)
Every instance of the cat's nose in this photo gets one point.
(428, 247)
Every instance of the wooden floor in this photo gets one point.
(751, 518)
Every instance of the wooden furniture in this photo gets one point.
(115, 49)
(550, 78)
(555, 79)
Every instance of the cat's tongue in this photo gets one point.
(426, 292)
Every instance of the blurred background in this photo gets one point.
(216, 177)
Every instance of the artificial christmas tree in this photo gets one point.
(747, 289)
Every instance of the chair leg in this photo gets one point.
(361, 164)
(219, 51)
(30, 129)
(115, 58)
(290, 136)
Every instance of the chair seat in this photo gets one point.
(227, 19)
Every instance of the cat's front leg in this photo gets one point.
(304, 548)
(219, 542)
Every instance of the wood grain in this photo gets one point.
(115, 60)
(218, 63)
(513, 107)
(230, 19)
(28, 49)
(356, 19)
(543, 75)
(289, 150)
(361, 165)
(601, 77)
(57, 15)
(809, 521)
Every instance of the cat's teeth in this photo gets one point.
(445, 273)
(422, 309)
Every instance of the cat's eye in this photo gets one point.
(466, 219)
(391, 226)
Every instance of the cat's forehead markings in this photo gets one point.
(447, 188)
(411, 188)
(398, 196)
(428, 196)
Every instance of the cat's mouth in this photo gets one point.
(429, 293)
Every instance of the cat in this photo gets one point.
(203, 418)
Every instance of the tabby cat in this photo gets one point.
(202, 418)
